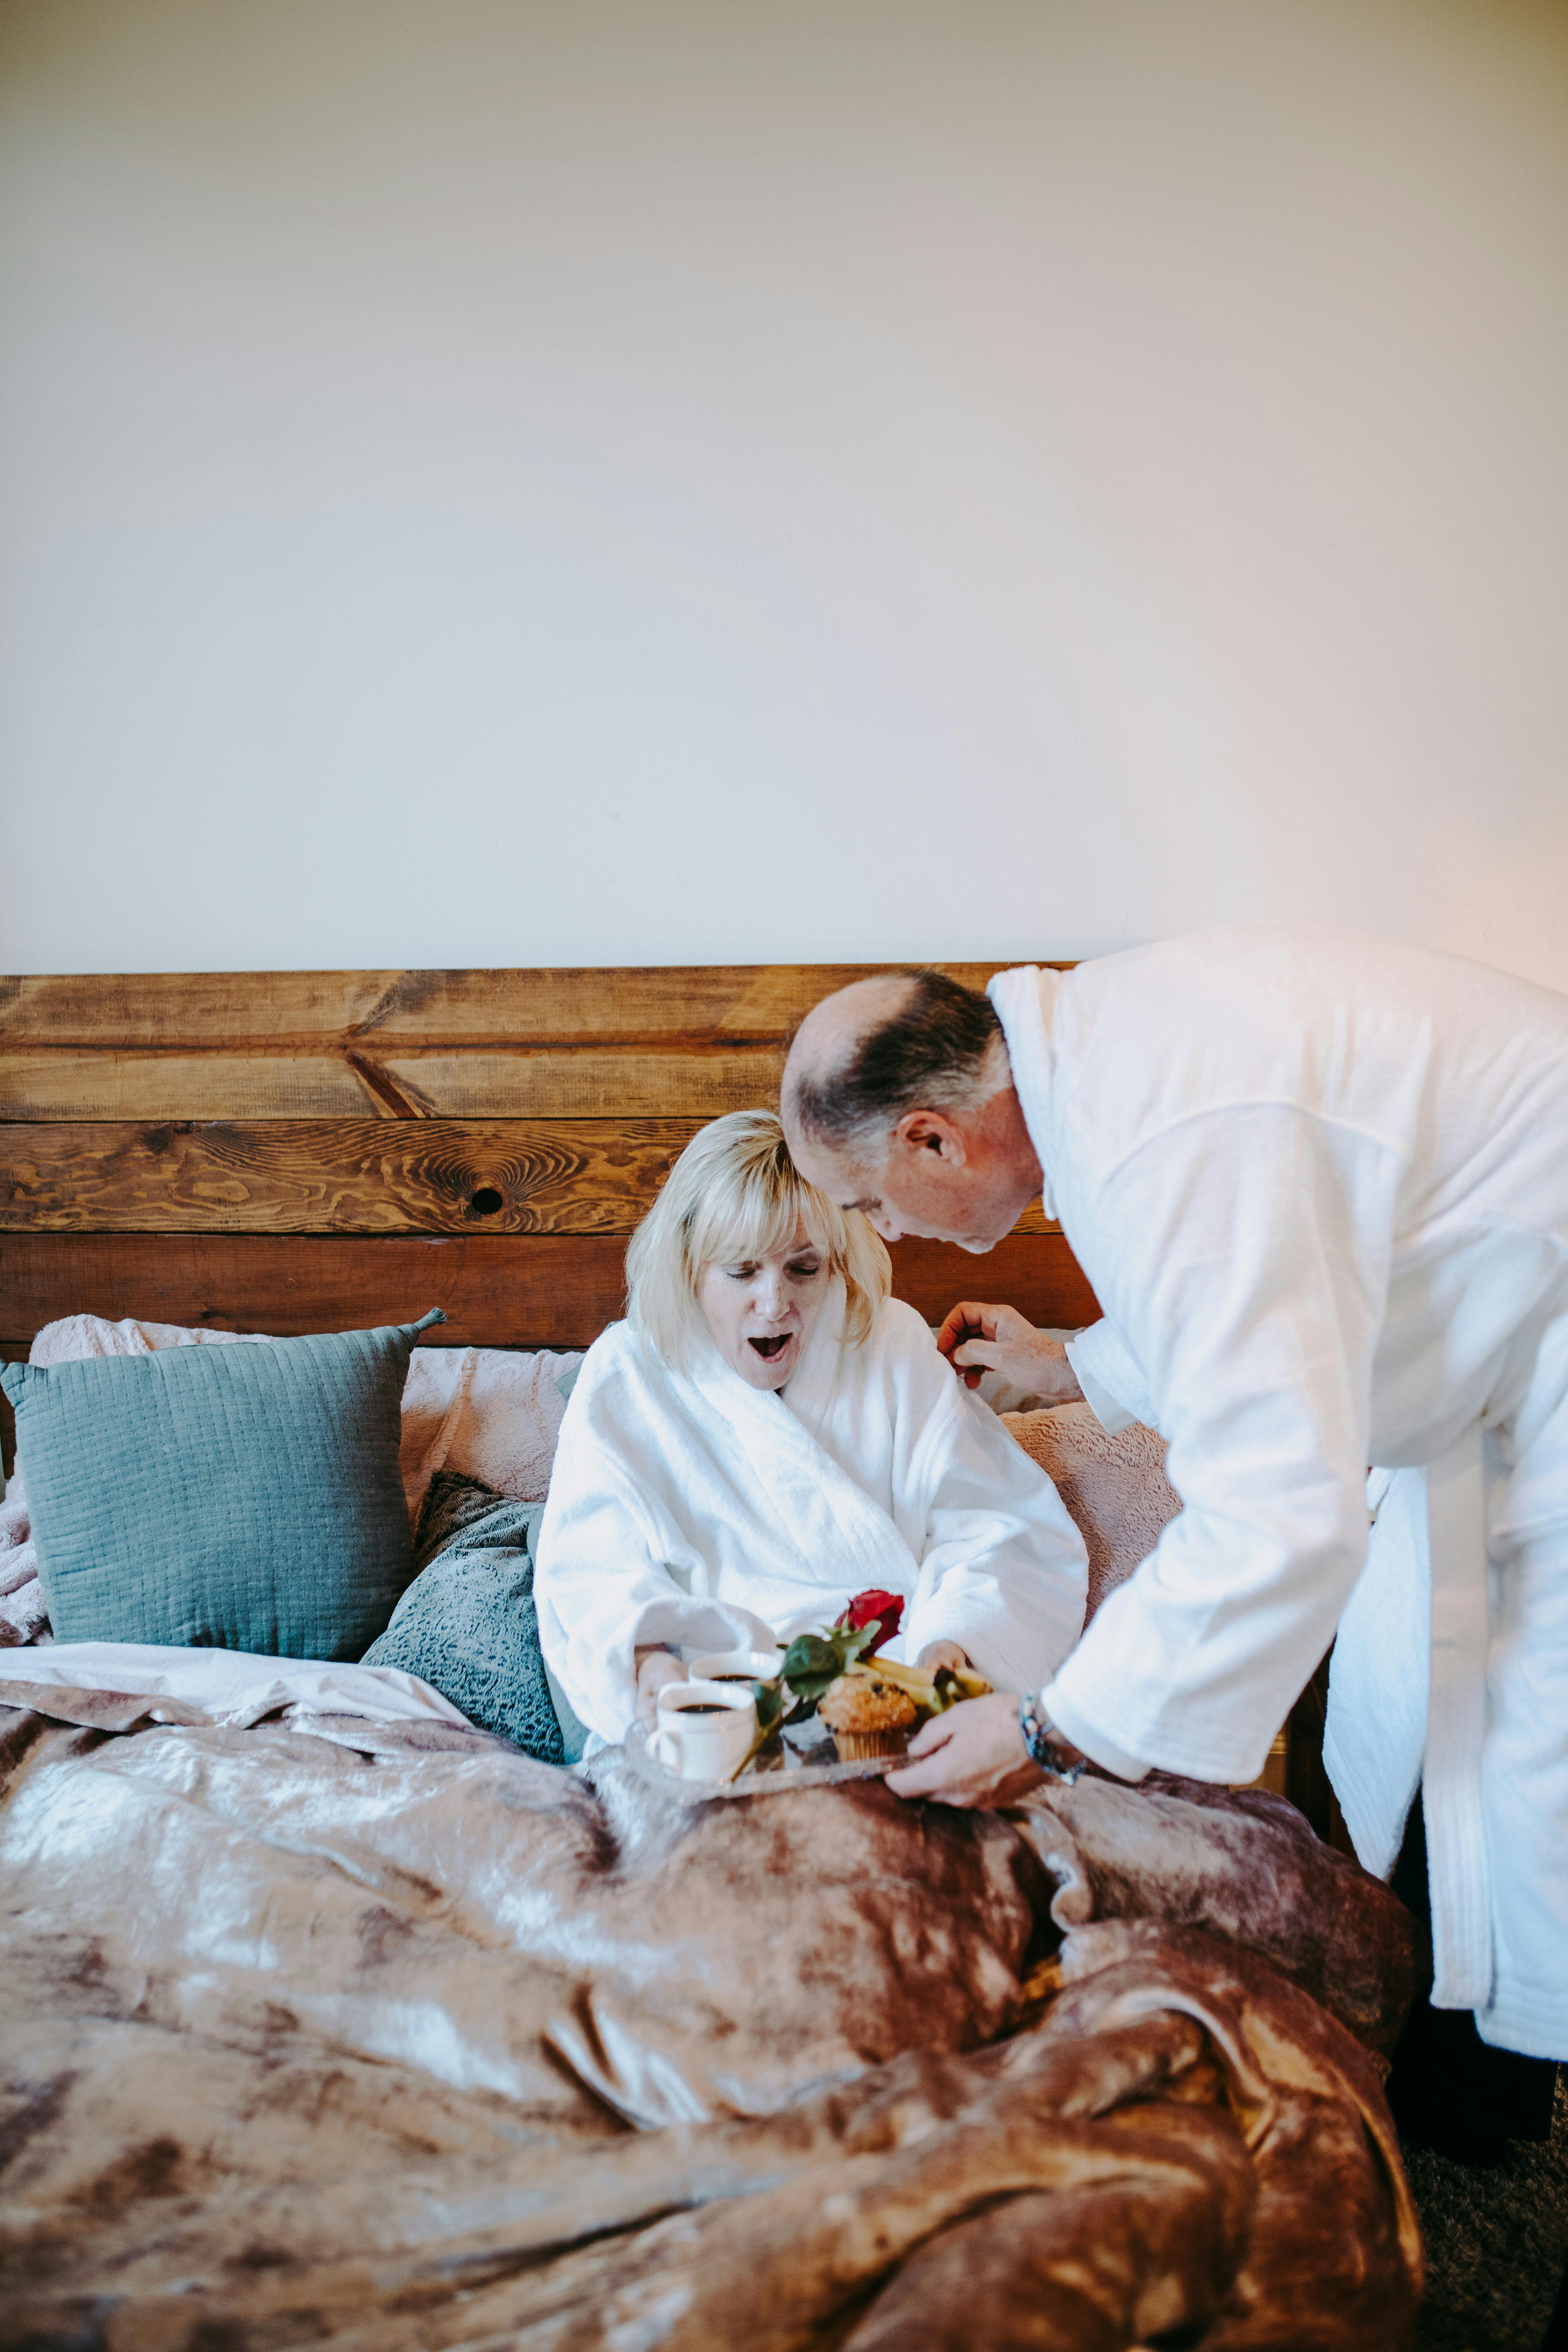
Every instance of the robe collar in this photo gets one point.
(1025, 1003)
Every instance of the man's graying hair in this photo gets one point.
(937, 1051)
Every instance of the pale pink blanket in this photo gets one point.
(482, 1410)
(1115, 1487)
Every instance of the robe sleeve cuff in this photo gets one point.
(1111, 1383)
(1087, 1736)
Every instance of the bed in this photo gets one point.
(321, 2028)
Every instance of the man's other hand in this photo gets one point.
(977, 1339)
(972, 1755)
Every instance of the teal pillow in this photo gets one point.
(228, 1498)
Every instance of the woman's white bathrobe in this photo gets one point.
(689, 1509)
(1320, 1185)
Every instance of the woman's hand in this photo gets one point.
(976, 1338)
(654, 1668)
(972, 1755)
(940, 1653)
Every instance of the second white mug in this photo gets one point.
(736, 1666)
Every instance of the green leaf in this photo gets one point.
(814, 1661)
(809, 1655)
(813, 1655)
(771, 1705)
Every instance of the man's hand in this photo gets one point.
(972, 1755)
(938, 1654)
(976, 1338)
(654, 1668)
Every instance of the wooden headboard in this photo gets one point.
(306, 1151)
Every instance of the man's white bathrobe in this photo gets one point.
(1320, 1185)
(689, 1509)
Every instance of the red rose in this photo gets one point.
(883, 1609)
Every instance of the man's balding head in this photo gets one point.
(905, 1041)
(898, 1098)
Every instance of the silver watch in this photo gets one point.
(1043, 1743)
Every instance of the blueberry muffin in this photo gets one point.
(867, 1716)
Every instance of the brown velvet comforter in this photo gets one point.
(388, 2038)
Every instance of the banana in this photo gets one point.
(920, 1681)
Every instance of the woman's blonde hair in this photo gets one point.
(734, 1193)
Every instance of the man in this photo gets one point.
(1319, 1186)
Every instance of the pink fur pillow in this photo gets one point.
(1115, 1487)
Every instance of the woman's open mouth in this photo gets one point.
(770, 1347)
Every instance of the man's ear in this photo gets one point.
(928, 1130)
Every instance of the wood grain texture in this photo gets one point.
(675, 1042)
(540, 1005)
(546, 1290)
(1035, 1271)
(339, 1176)
(335, 1176)
(603, 1081)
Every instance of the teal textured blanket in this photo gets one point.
(467, 1625)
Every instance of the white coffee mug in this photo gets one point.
(704, 1729)
(736, 1666)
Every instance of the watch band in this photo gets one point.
(1042, 1743)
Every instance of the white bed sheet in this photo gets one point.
(229, 1686)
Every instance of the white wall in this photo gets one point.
(629, 481)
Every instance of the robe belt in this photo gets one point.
(1458, 1867)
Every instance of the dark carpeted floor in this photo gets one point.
(1496, 2239)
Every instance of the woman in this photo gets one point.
(766, 1433)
